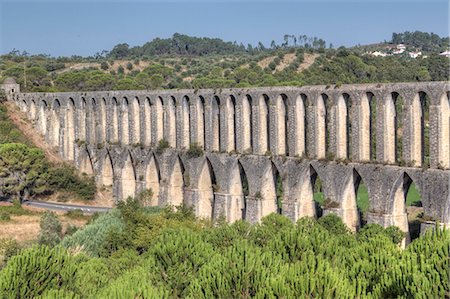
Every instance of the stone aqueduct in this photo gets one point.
(342, 134)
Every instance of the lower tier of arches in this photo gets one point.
(250, 187)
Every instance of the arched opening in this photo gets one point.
(424, 128)
(343, 127)
(238, 191)
(171, 122)
(159, 115)
(147, 122)
(70, 130)
(136, 121)
(114, 126)
(201, 122)
(230, 116)
(186, 133)
(152, 180)
(247, 124)
(278, 189)
(86, 166)
(92, 122)
(215, 114)
(128, 179)
(55, 123)
(125, 122)
(206, 186)
(103, 121)
(82, 115)
(362, 197)
(282, 125)
(321, 128)
(300, 128)
(407, 208)
(317, 191)
(398, 126)
(107, 172)
(176, 187)
(264, 125)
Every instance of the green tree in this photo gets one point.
(51, 229)
(23, 171)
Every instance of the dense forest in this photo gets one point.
(136, 252)
(190, 62)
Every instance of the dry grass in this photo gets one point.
(25, 229)
(308, 61)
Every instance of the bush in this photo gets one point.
(333, 224)
(162, 145)
(195, 150)
(35, 270)
(64, 177)
(51, 229)
(104, 65)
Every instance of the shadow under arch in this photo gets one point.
(107, 177)
(86, 165)
(362, 197)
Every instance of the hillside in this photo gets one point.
(188, 62)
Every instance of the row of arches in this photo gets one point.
(366, 127)
(273, 196)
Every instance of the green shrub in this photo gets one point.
(4, 216)
(195, 150)
(76, 214)
(51, 229)
(162, 145)
(333, 224)
(35, 270)
(64, 177)
(92, 237)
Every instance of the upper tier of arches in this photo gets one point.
(404, 123)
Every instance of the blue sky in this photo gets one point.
(85, 27)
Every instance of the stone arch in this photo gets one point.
(55, 123)
(186, 123)
(268, 192)
(159, 116)
(125, 122)
(103, 121)
(206, 186)
(390, 129)
(147, 122)
(397, 202)
(70, 130)
(365, 130)
(136, 121)
(350, 214)
(282, 125)
(152, 179)
(444, 131)
(237, 206)
(247, 124)
(128, 179)
(32, 111)
(216, 125)
(230, 123)
(264, 124)
(86, 165)
(23, 106)
(301, 126)
(170, 122)
(114, 123)
(42, 119)
(107, 176)
(175, 192)
(306, 206)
